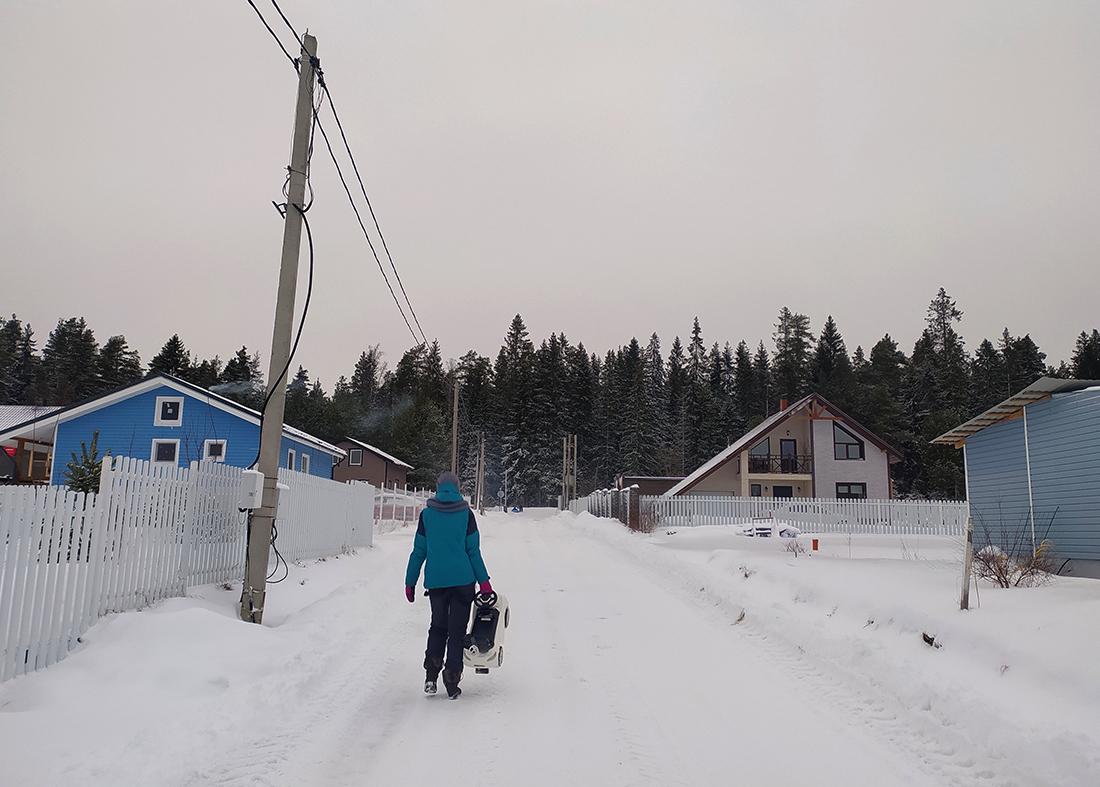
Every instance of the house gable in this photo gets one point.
(808, 423)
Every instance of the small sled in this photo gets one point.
(484, 645)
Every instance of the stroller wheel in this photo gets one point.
(500, 657)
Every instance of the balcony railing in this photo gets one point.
(802, 464)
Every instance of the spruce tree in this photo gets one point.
(832, 372)
(697, 402)
(677, 385)
(241, 380)
(1024, 364)
(173, 358)
(117, 365)
(744, 387)
(69, 362)
(367, 377)
(987, 377)
(1086, 356)
(793, 342)
(762, 386)
(656, 425)
(82, 473)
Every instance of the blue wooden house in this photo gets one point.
(167, 421)
(1033, 472)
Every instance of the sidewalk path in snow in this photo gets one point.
(610, 678)
(616, 673)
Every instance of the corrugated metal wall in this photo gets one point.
(1064, 437)
(1064, 443)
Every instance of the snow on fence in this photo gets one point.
(622, 504)
(398, 506)
(67, 558)
(818, 515)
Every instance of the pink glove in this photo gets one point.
(485, 588)
(410, 593)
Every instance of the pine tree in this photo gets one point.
(832, 372)
(69, 362)
(793, 341)
(117, 365)
(1086, 356)
(173, 358)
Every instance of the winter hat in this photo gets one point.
(447, 477)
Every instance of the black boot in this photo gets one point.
(431, 674)
(450, 682)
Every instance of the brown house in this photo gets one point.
(364, 462)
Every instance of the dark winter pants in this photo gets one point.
(450, 615)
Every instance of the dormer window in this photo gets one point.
(845, 444)
(169, 411)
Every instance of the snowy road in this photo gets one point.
(621, 670)
(611, 678)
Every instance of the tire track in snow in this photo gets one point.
(922, 736)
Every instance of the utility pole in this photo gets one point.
(263, 519)
(568, 470)
(481, 475)
(454, 429)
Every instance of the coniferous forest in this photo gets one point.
(645, 408)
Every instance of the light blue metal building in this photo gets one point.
(167, 421)
(1033, 472)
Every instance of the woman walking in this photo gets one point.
(447, 540)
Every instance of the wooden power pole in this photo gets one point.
(263, 519)
(454, 429)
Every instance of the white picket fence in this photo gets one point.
(817, 515)
(67, 558)
(398, 506)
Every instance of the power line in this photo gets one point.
(324, 135)
(274, 35)
(358, 177)
(422, 339)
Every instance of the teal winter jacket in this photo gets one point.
(448, 541)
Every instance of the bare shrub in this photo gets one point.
(1015, 571)
(795, 547)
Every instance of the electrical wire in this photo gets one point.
(274, 35)
(362, 187)
(298, 336)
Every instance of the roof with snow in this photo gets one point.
(750, 437)
(15, 414)
(379, 452)
(1043, 388)
(28, 428)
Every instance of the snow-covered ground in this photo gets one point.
(697, 657)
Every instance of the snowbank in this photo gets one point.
(1016, 678)
(160, 691)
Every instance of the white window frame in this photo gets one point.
(290, 455)
(157, 421)
(351, 457)
(206, 450)
(153, 452)
(304, 461)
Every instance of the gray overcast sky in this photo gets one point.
(607, 169)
